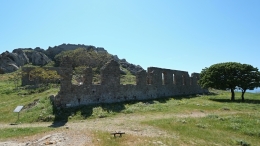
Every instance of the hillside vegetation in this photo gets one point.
(84, 57)
(80, 55)
(194, 120)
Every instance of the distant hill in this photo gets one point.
(82, 55)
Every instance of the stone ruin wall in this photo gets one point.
(149, 85)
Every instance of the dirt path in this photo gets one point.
(79, 132)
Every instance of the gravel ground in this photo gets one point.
(80, 132)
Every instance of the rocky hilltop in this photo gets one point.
(12, 61)
(53, 51)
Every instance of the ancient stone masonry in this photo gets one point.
(150, 84)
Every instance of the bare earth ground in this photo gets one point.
(80, 133)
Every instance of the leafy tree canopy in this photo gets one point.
(230, 75)
(41, 75)
(249, 78)
(84, 57)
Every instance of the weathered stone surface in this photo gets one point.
(7, 68)
(52, 98)
(38, 49)
(2, 71)
(53, 51)
(10, 62)
(122, 72)
(39, 58)
(150, 84)
(110, 74)
(88, 76)
(23, 59)
(115, 57)
(131, 67)
(141, 77)
(14, 57)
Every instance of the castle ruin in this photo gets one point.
(150, 84)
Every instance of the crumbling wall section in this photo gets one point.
(141, 78)
(110, 74)
(155, 83)
(150, 84)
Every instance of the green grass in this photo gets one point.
(106, 139)
(226, 122)
(128, 78)
(10, 97)
(6, 133)
(212, 129)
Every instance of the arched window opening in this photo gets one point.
(163, 78)
(173, 79)
(30, 77)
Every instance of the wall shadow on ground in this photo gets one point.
(62, 115)
(250, 101)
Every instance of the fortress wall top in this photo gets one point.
(161, 76)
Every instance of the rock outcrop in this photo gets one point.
(131, 67)
(7, 64)
(51, 52)
(22, 58)
(39, 58)
(10, 62)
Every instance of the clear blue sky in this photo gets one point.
(185, 35)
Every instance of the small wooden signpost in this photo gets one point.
(17, 110)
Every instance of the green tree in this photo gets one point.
(78, 74)
(221, 76)
(84, 57)
(51, 76)
(36, 75)
(43, 76)
(230, 75)
(249, 78)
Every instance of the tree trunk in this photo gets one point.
(232, 94)
(243, 92)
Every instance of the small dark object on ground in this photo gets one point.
(14, 124)
(118, 133)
